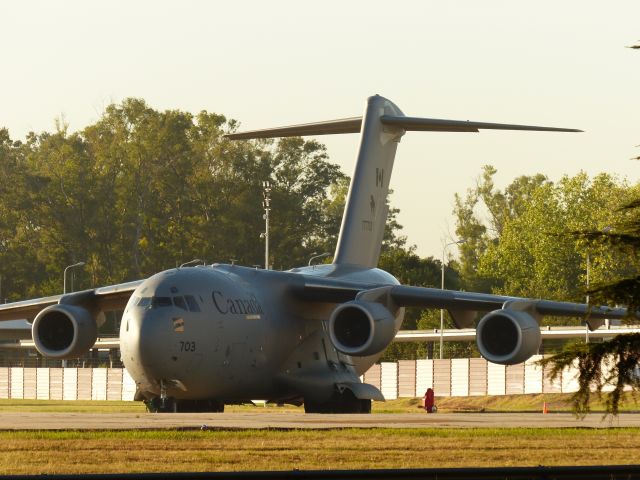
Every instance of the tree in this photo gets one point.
(142, 190)
(522, 249)
(614, 362)
(480, 220)
(411, 269)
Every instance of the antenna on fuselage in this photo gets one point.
(381, 128)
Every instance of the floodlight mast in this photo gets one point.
(64, 275)
(267, 208)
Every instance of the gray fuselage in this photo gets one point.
(233, 334)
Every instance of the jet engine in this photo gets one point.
(508, 337)
(64, 331)
(361, 328)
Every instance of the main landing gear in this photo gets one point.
(170, 405)
(344, 402)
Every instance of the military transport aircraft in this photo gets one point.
(196, 338)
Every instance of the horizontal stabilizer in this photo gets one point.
(415, 124)
(439, 125)
(343, 125)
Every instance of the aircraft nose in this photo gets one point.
(146, 342)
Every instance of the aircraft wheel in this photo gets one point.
(344, 402)
(159, 405)
(365, 406)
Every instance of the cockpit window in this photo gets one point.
(193, 304)
(179, 302)
(144, 302)
(157, 302)
(154, 302)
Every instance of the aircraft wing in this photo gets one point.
(113, 297)
(471, 303)
(463, 306)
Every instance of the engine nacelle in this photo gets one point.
(64, 331)
(508, 337)
(361, 328)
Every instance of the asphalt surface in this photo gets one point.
(283, 420)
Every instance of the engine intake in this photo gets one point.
(64, 331)
(508, 337)
(361, 328)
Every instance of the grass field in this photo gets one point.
(36, 452)
(155, 451)
(556, 402)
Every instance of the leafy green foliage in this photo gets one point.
(614, 363)
(410, 269)
(517, 241)
(142, 190)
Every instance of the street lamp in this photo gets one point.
(322, 255)
(266, 194)
(64, 275)
(444, 249)
(191, 262)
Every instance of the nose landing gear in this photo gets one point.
(161, 405)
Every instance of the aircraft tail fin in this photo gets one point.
(381, 128)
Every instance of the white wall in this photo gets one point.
(456, 377)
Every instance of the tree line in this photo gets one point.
(142, 190)
(523, 240)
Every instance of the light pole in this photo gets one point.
(64, 275)
(444, 249)
(191, 262)
(586, 339)
(267, 207)
(322, 255)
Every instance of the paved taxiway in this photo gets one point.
(129, 421)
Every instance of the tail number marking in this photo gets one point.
(187, 346)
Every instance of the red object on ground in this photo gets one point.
(428, 401)
(545, 408)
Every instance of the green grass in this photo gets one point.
(79, 406)
(152, 451)
(556, 402)
(498, 403)
(40, 452)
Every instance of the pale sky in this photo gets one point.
(554, 63)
